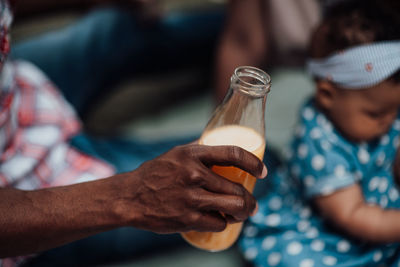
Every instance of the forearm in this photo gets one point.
(374, 224)
(243, 42)
(229, 56)
(347, 210)
(33, 221)
(175, 192)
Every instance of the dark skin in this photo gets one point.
(176, 192)
(244, 41)
(360, 115)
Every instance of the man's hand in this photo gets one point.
(178, 192)
(175, 192)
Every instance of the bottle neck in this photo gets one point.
(245, 101)
(251, 81)
(243, 109)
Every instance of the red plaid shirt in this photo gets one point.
(35, 125)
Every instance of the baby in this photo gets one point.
(335, 202)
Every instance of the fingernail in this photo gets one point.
(264, 172)
(255, 210)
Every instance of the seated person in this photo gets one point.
(113, 42)
(56, 187)
(264, 33)
(335, 201)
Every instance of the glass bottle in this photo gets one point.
(240, 121)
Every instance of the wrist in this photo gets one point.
(42, 219)
(123, 194)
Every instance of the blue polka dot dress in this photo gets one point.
(287, 231)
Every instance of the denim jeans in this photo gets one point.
(86, 60)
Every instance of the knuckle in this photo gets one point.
(183, 149)
(175, 151)
(196, 177)
(220, 225)
(194, 198)
(180, 149)
(193, 218)
(177, 148)
(193, 150)
(185, 153)
(147, 164)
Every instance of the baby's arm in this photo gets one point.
(348, 210)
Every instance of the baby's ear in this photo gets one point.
(325, 95)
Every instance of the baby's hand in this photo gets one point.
(396, 167)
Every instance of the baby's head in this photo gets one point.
(357, 80)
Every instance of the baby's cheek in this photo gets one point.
(364, 130)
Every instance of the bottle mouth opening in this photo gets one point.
(251, 80)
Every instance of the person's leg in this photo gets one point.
(78, 58)
(124, 154)
(122, 244)
(87, 58)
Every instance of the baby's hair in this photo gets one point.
(355, 22)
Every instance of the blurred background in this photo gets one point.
(173, 95)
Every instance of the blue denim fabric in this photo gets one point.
(86, 59)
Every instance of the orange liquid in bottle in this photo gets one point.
(249, 140)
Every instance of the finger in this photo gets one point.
(207, 222)
(230, 220)
(239, 207)
(230, 156)
(219, 184)
(194, 142)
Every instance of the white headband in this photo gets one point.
(358, 67)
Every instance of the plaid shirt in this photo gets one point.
(35, 125)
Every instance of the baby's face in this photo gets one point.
(363, 115)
